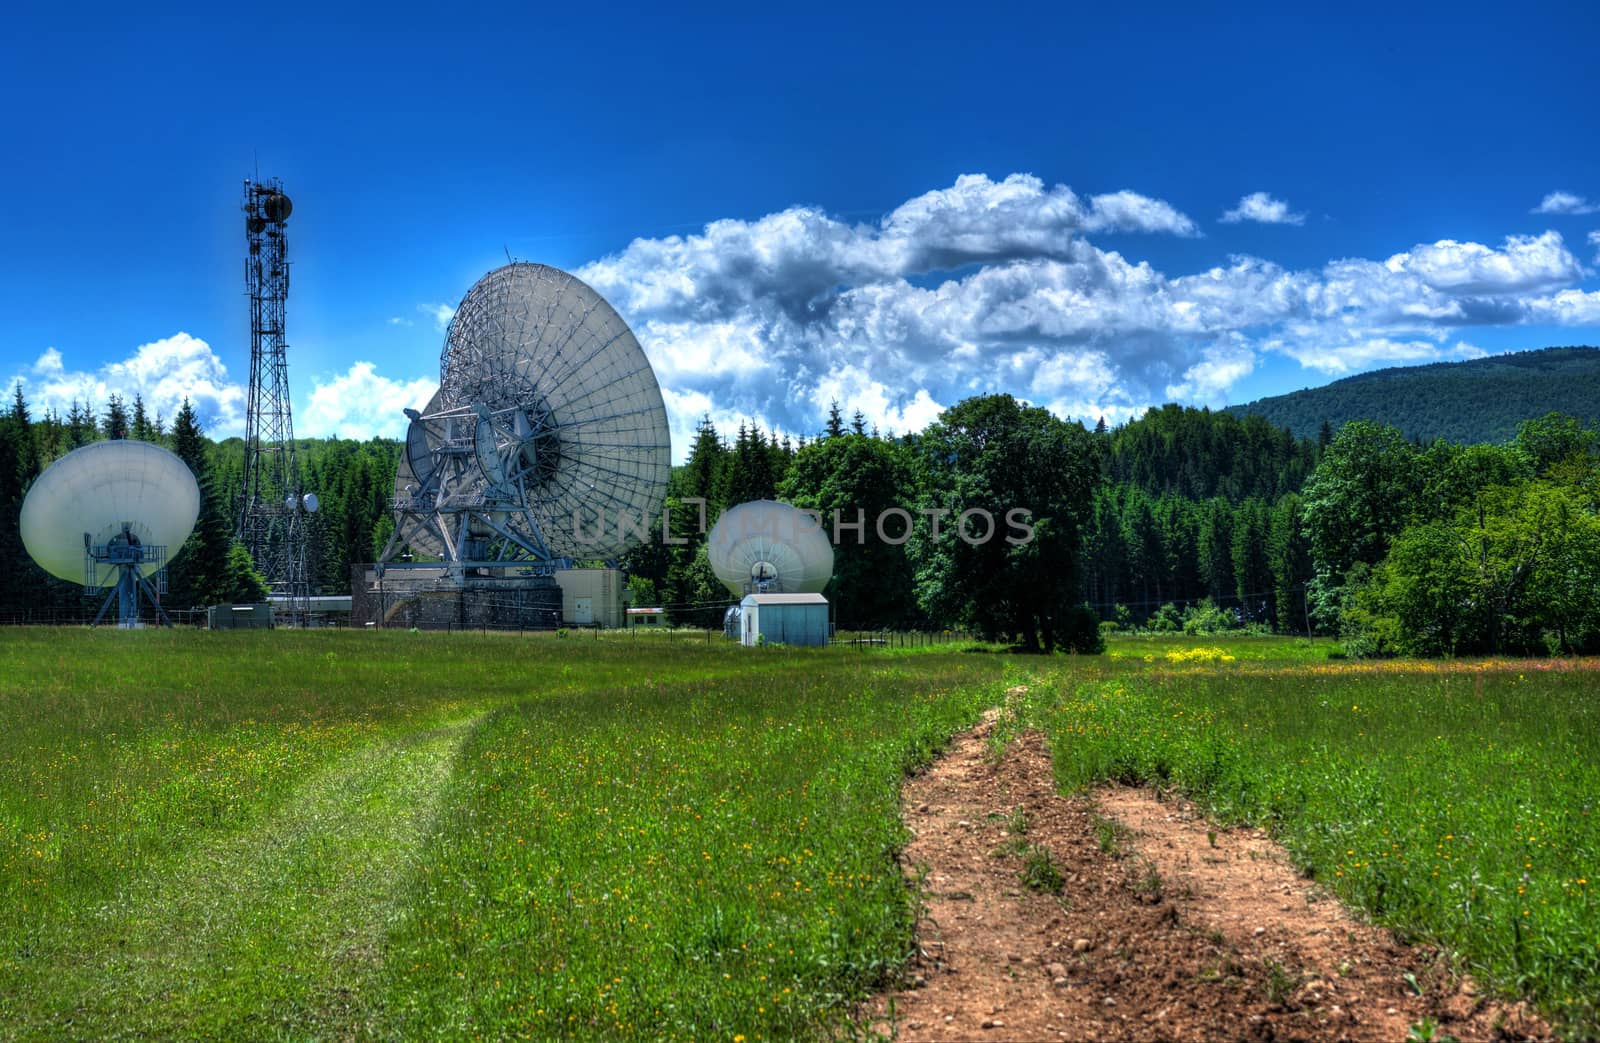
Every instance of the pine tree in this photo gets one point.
(27, 445)
(1289, 554)
(780, 454)
(116, 419)
(80, 425)
(241, 583)
(1252, 565)
(707, 467)
(359, 517)
(16, 449)
(750, 469)
(858, 423)
(141, 430)
(200, 571)
(1216, 549)
(49, 437)
(835, 426)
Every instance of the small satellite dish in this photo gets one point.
(311, 502)
(768, 547)
(111, 509)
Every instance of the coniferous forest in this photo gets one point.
(354, 481)
(1185, 519)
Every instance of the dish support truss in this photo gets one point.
(125, 560)
(477, 477)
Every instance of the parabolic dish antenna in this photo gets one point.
(768, 547)
(111, 511)
(546, 430)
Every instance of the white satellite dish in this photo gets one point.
(768, 547)
(548, 420)
(111, 509)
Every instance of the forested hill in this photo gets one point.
(1198, 454)
(1481, 400)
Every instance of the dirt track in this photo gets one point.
(1178, 931)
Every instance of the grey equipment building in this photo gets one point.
(788, 619)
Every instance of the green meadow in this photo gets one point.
(398, 835)
(1452, 800)
(392, 835)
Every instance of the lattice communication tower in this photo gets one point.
(273, 515)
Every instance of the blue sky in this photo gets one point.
(891, 207)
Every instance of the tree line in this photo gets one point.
(1448, 550)
(353, 480)
(1182, 519)
(912, 545)
(1130, 525)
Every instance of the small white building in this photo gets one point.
(787, 619)
(651, 618)
(591, 597)
(239, 617)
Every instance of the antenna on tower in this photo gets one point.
(273, 512)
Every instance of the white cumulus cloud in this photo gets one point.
(1221, 365)
(361, 403)
(163, 373)
(889, 409)
(1002, 285)
(977, 219)
(1565, 203)
(1523, 263)
(1567, 308)
(1263, 209)
(1337, 358)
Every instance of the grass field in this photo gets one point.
(1452, 800)
(312, 835)
(401, 835)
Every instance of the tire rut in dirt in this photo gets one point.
(1125, 949)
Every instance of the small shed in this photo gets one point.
(240, 617)
(646, 617)
(788, 619)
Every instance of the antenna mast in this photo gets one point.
(273, 513)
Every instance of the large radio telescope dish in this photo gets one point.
(96, 492)
(547, 429)
(770, 547)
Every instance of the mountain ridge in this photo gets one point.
(1476, 400)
